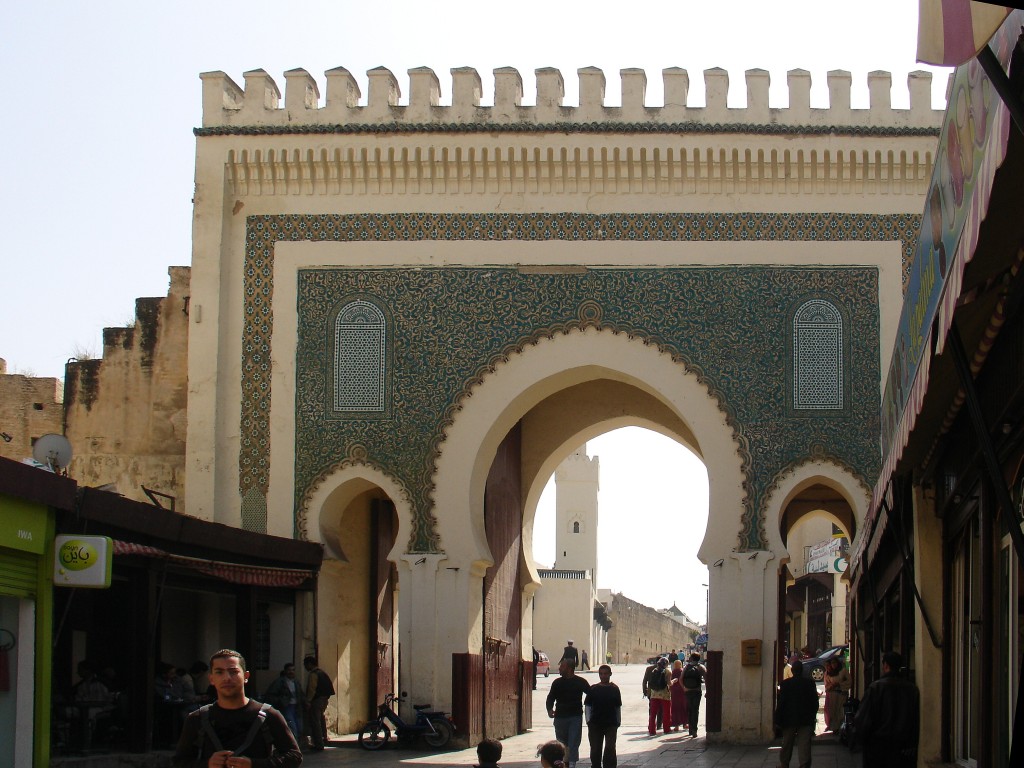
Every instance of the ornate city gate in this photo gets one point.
(389, 297)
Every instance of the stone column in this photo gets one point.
(743, 606)
(928, 549)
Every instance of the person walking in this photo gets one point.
(584, 660)
(603, 709)
(235, 731)
(693, 676)
(565, 707)
(570, 654)
(661, 698)
(646, 686)
(795, 715)
(286, 695)
(837, 687)
(888, 718)
(679, 713)
(319, 690)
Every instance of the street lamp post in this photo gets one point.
(707, 613)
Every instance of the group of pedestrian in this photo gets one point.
(674, 694)
(571, 701)
(886, 723)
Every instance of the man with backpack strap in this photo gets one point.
(235, 731)
(319, 690)
(693, 675)
(661, 698)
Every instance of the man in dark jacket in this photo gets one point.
(319, 690)
(795, 715)
(570, 654)
(888, 718)
(286, 696)
(236, 731)
(565, 708)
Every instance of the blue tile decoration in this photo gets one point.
(729, 326)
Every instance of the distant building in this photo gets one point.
(30, 407)
(566, 605)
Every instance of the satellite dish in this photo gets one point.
(53, 451)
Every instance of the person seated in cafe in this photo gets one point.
(93, 705)
(182, 686)
(90, 688)
(205, 693)
(169, 713)
(163, 686)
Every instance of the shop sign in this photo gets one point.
(82, 561)
(22, 526)
(828, 564)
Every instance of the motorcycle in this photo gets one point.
(436, 728)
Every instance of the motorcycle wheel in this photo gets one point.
(441, 736)
(374, 735)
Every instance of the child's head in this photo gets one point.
(488, 751)
(552, 754)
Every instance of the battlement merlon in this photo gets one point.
(225, 104)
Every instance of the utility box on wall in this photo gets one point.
(750, 653)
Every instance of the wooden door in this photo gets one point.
(502, 651)
(382, 600)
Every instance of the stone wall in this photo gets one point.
(126, 412)
(30, 407)
(641, 631)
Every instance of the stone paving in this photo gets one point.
(635, 747)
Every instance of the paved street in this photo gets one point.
(635, 747)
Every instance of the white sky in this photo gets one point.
(101, 99)
(650, 486)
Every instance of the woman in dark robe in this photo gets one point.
(680, 711)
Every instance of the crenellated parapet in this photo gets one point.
(258, 107)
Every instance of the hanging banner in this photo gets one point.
(971, 148)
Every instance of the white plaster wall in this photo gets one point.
(563, 609)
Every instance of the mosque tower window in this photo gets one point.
(360, 346)
(817, 356)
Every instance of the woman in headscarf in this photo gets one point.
(837, 688)
(680, 714)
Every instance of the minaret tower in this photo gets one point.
(576, 486)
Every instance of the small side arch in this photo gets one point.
(335, 489)
(799, 477)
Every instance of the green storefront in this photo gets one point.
(29, 498)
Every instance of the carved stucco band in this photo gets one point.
(262, 232)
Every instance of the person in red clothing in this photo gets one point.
(235, 731)
(659, 687)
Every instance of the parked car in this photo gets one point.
(814, 667)
(543, 665)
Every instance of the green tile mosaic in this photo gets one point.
(727, 325)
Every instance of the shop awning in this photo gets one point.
(236, 573)
(951, 32)
(972, 146)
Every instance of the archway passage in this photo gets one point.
(817, 525)
(357, 638)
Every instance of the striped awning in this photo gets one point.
(236, 573)
(957, 206)
(952, 32)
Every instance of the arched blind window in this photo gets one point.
(360, 339)
(575, 527)
(817, 356)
